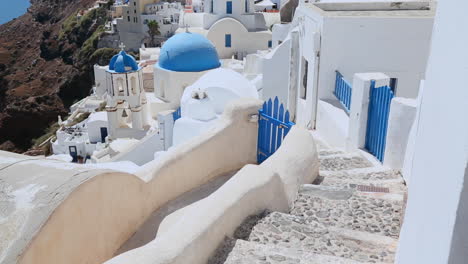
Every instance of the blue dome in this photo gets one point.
(122, 62)
(188, 52)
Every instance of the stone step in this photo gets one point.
(393, 186)
(364, 174)
(329, 152)
(339, 162)
(368, 176)
(293, 232)
(378, 213)
(255, 253)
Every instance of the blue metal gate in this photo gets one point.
(377, 119)
(343, 91)
(273, 126)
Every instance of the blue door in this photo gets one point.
(103, 134)
(377, 119)
(73, 153)
(229, 7)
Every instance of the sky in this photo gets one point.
(11, 9)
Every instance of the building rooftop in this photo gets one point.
(392, 9)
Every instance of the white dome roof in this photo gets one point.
(220, 87)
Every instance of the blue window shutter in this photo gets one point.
(270, 44)
(227, 40)
(229, 7)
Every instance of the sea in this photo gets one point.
(12, 9)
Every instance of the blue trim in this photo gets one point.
(227, 40)
(380, 99)
(343, 91)
(229, 7)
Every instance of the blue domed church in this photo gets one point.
(183, 59)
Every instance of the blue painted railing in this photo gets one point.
(273, 126)
(343, 91)
(177, 114)
(377, 119)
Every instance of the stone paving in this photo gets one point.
(331, 221)
(348, 208)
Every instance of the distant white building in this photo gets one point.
(135, 14)
(233, 27)
(166, 14)
(82, 139)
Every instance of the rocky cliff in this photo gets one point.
(46, 59)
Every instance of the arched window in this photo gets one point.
(133, 83)
(120, 87)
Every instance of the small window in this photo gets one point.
(128, 18)
(270, 43)
(229, 7)
(246, 6)
(134, 11)
(304, 73)
(227, 40)
(134, 3)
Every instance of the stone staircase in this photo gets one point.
(351, 214)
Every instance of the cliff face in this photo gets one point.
(46, 59)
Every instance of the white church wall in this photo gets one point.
(241, 39)
(401, 118)
(185, 237)
(170, 85)
(434, 229)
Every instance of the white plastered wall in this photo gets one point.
(100, 214)
(434, 229)
(241, 39)
(192, 234)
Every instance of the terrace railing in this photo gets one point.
(343, 91)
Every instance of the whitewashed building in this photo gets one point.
(132, 25)
(233, 26)
(349, 38)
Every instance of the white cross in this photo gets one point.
(121, 46)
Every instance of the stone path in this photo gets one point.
(351, 214)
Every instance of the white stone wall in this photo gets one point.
(434, 229)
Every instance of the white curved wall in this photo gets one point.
(194, 232)
(103, 212)
(241, 39)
